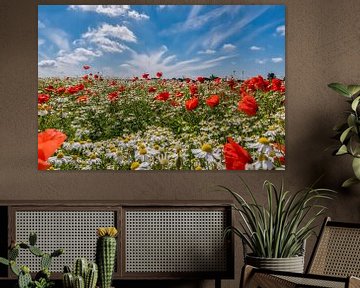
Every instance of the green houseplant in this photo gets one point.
(349, 132)
(276, 233)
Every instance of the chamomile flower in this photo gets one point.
(262, 146)
(208, 153)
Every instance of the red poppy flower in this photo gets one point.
(179, 94)
(42, 98)
(50, 88)
(86, 67)
(113, 96)
(145, 76)
(75, 89)
(162, 96)
(200, 79)
(151, 89)
(60, 90)
(213, 101)
(192, 104)
(82, 99)
(236, 157)
(217, 80)
(48, 142)
(135, 79)
(248, 105)
(85, 77)
(159, 74)
(187, 80)
(174, 103)
(96, 76)
(193, 89)
(113, 83)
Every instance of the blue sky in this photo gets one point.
(179, 40)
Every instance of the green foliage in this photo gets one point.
(279, 229)
(42, 278)
(349, 131)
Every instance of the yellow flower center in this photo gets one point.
(126, 140)
(82, 142)
(156, 147)
(206, 148)
(74, 157)
(60, 155)
(134, 165)
(142, 151)
(93, 156)
(164, 161)
(264, 140)
(142, 146)
(262, 157)
(198, 168)
(113, 149)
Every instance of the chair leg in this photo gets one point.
(354, 282)
(246, 274)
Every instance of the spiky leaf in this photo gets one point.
(340, 88)
(349, 182)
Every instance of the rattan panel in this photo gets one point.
(75, 231)
(175, 241)
(338, 253)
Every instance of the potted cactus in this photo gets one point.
(84, 275)
(42, 278)
(106, 254)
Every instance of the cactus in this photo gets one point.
(24, 278)
(68, 280)
(80, 268)
(88, 273)
(105, 255)
(32, 239)
(91, 276)
(79, 282)
(45, 261)
(23, 273)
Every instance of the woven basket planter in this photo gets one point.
(291, 264)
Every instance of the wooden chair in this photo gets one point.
(334, 263)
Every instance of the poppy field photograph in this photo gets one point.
(161, 87)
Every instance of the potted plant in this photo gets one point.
(349, 132)
(276, 233)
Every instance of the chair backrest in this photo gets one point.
(337, 251)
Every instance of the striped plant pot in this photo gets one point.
(291, 264)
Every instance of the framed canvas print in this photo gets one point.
(161, 87)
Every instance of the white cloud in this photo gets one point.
(47, 63)
(59, 37)
(256, 48)
(218, 59)
(276, 59)
(260, 61)
(280, 30)
(79, 55)
(41, 25)
(195, 21)
(105, 37)
(40, 41)
(220, 33)
(111, 10)
(228, 47)
(207, 51)
(169, 65)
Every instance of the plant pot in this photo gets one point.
(291, 264)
